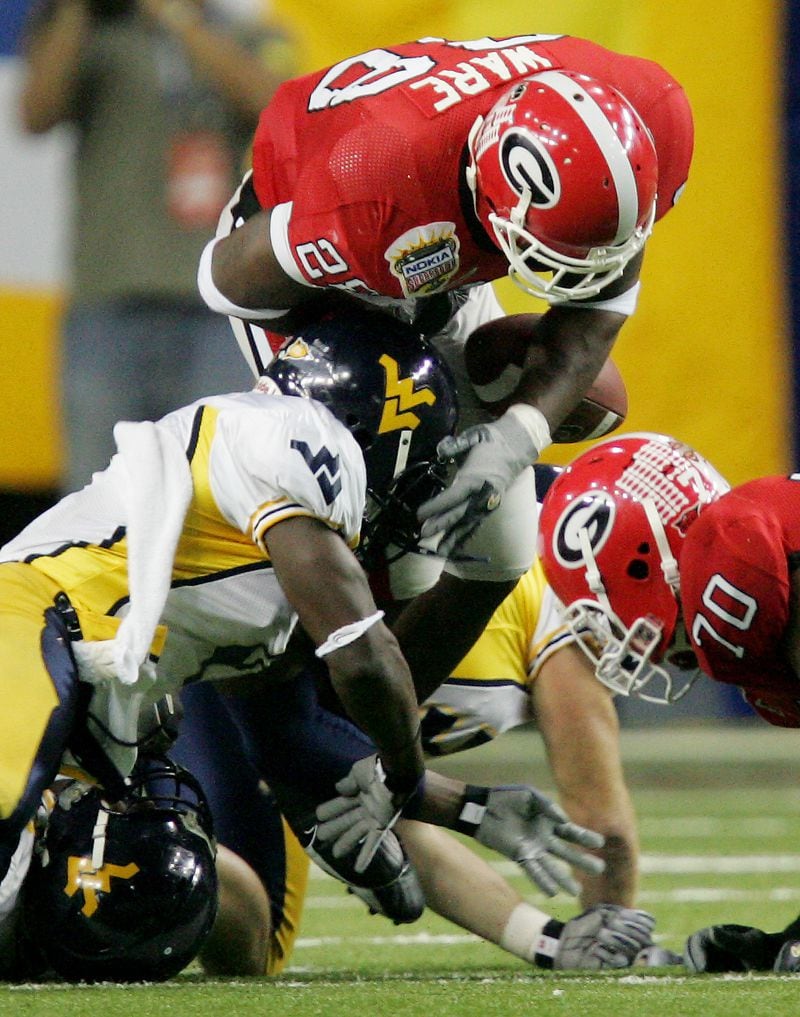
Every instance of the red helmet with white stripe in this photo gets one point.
(564, 173)
(611, 531)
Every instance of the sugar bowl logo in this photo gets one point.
(425, 258)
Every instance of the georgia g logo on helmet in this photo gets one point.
(593, 512)
(528, 167)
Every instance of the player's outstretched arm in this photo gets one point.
(568, 346)
(576, 718)
(463, 888)
(515, 820)
(327, 587)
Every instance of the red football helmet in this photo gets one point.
(611, 530)
(564, 173)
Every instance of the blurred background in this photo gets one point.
(709, 355)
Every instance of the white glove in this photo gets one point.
(527, 827)
(363, 814)
(604, 936)
(495, 454)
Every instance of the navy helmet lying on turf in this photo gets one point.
(127, 891)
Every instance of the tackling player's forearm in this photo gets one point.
(568, 351)
(378, 696)
(569, 345)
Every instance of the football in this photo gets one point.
(494, 354)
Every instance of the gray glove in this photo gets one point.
(527, 827)
(495, 454)
(363, 814)
(604, 936)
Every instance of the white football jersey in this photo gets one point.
(255, 459)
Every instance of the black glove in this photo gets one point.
(732, 948)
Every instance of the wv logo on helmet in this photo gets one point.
(82, 875)
(400, 398)
(324, 466)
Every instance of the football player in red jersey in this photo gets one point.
(663, 567)
(412, 176)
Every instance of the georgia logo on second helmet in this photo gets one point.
(591, 514)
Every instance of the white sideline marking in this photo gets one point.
(401, 939)
(710, 826)
(684, 895)
(719, 864)
(652, 864)
(716, 895)
(655, 864)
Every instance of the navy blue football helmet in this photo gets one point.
(396, 396)
(123, 892)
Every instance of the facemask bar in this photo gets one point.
(620, 656)
(391, 529)
(572, 278)
(390, 526)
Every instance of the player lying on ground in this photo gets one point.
(212, 535)
(523, 667)
(288, 736)
(664, 568)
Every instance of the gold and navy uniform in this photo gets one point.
(255, 459)
(490, 690)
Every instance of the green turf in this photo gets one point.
(720, 825)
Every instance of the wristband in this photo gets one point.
(534, 423)
(472, 809)
(523, 930)
(547, 944)
(623, 303)
(347, 634)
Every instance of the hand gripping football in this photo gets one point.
(494, 354)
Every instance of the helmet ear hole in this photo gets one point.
(638, 569)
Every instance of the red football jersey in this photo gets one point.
(735, 592)
(363, 161)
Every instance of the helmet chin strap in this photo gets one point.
(403, 450)
(99, 839)
(669, 565)
(592, 575)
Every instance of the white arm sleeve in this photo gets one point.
(217, 301)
